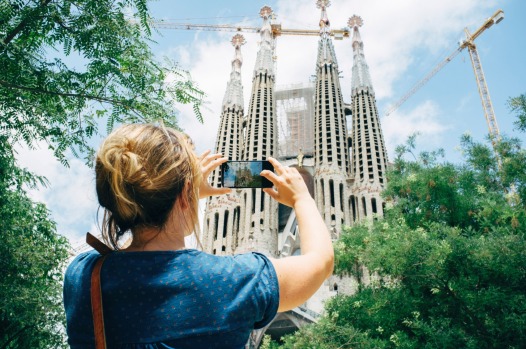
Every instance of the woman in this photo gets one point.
(156, 293)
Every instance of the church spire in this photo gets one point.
(259, 222)
(361, 80)
(331, 158)
(264, 62)
(369, 159)
(234, 90)
(326, 52)
(223, 212)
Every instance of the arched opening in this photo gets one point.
(353, 207)
(364, 207)
(331, 191)
(216, 224)
(225, 224)
(341, 197)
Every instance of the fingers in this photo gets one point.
(220, 191)
(278, 168)
(210, 161)
(273, 193)
(202, 156)
(271, 176)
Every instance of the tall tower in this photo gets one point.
(369, 155)
(223, 212)
(259, 212)
(331, 158)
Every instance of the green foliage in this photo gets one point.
(67, 68)
(32, 260)
(446, 266)
(518, 105)
(329, 334)
(66, 64)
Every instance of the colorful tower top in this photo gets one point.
(361, 80)
(326, 53)
(264, 62)
(234, 90)
(325, 27)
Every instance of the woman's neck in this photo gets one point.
(167, 238)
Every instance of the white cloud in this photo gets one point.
(422, 120)
(71, 193)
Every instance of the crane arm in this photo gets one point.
(277, 30)
(208, 27)
(494, 19)
(422, 82)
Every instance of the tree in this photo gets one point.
(68, 64)
(32, 260)
(448, 260)
(518, 105)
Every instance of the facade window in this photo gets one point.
(331, 191)
(373, 205)
(216, 224)
(225, 224)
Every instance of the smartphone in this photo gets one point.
(245, 174)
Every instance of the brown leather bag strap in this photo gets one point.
(96, 291)
(97, 245)
(96, 305)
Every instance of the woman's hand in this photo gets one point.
(289, 186)
(208, 163)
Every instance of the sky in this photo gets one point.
(403, 41)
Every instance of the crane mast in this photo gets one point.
(487, 106)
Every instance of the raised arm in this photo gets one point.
(300, 277)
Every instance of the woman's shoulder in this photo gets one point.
(81, 264)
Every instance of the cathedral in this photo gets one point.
(344, 166)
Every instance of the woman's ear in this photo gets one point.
(184, 198)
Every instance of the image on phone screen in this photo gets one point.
(245, 174)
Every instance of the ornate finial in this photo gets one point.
(355, 21)
(265, 11)
(323, 3)
(238, 40)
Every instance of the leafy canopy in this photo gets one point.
(32, 260)
(67, 64)
(447, 261)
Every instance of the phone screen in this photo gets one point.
(245, 174)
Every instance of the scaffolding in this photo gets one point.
(295, 117)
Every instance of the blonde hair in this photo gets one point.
(141, 171)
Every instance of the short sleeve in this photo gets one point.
(77, 302)
(267, 291)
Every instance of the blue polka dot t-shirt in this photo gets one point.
(172, 299)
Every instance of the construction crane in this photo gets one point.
(468, 43)
(277, 30)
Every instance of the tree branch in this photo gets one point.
(74, 95)
(24, 23)
(13, 337)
